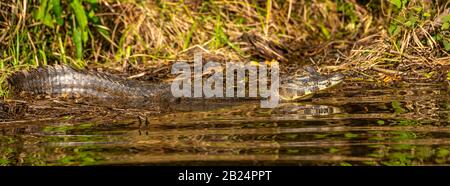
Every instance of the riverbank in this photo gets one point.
(384, 42)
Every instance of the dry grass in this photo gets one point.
(358, 38)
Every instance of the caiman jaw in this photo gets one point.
(331, 81)
(307, 91)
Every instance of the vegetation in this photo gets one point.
(384, 41)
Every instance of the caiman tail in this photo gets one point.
(64, 80)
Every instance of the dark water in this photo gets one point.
(352, 125)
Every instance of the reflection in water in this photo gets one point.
(407, 125)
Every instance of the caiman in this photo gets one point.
(105, 92)
(63, 80)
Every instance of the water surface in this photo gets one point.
(356, 124)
